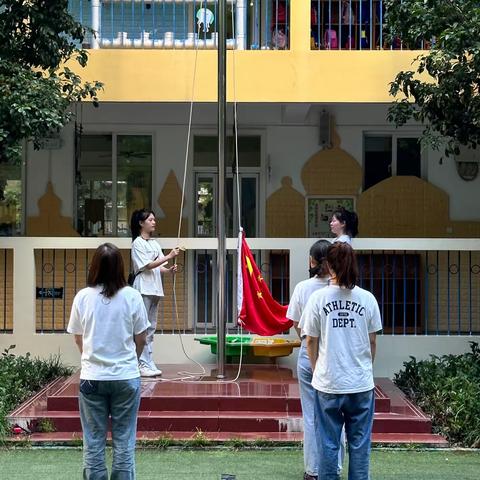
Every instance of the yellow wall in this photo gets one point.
(295, 75)
(261, 76)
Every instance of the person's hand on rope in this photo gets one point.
(173, 252)
(173, 269)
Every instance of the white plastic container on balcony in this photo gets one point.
(105, 43)
(122, 40)
(179, 43)
(144, 41)
(158, 43)
(213, 40)
(168, 40)
(190, 41)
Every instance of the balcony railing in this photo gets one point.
(423, 286)
(352, 25)
(183, 24)
(251, 24)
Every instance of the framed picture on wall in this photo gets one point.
(319, 212)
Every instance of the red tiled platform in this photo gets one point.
(262, 404)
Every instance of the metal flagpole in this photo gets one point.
(221, 253)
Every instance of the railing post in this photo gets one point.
(241, 25)
(300, 25)
(23, 288)
(96, 24)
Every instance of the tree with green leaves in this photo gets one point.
(37, 89)
(442, 91)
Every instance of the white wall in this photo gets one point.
(392, 351)
(290, 141)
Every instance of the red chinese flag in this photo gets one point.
(259, 313)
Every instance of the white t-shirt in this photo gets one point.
(147, 282)
(342, 320)
(343, 239)
(300, 297)
(108, 326)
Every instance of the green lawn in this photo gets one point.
(170, 464)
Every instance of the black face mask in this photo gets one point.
(313, 271)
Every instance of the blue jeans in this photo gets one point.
(311, 424)
(98, 400)
(355, 411)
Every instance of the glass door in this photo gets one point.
(205, 226)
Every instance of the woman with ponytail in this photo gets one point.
(344, 225)
(341, 321)
(319, 279)
(148, 262)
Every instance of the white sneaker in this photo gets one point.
(147, 371)
(156, 370)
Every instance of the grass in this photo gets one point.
(277, 464)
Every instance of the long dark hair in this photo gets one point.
(318, 252)
(107, 270)
(349, 218)
(342, 261)
(137, 217)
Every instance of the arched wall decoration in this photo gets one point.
(50, 221)
(330, 172)
(169, 200)
(285, 210)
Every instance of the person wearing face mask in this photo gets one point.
(319, 279)
(147, 263)
(341, 322)
(344, 225)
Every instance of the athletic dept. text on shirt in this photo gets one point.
(342, 308)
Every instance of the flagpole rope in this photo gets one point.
(185, 376)
(239, 211)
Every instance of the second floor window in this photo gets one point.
(113, 178)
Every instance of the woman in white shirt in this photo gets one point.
(147, 262)
(344, 225)
(341, 322)
(301, 294)
(109, 322)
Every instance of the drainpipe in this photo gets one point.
(96, 24)
(241, 25)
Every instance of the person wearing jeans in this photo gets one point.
(148, 263)
(341, 322)
(109, 322)
(301, 294)
(98, 400)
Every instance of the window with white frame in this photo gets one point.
(113, 178)
(388, 155)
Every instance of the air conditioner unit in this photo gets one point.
(467, 163)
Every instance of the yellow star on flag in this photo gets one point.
(249, 266)
(259, 294)
(260, 278)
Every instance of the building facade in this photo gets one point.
(310, 80)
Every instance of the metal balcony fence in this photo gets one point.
(251, 24)
(423, 286)
(182, 24)
(353, 25)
